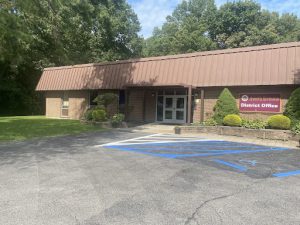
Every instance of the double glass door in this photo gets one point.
(174, 109)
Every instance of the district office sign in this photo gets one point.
(263, 102)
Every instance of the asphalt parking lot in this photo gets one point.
(135, 178)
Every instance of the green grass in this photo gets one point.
(28, 127)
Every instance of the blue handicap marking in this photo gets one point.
(287, 173)
(204, 149)
(232, 165)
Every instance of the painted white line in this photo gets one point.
(171, 137)
(156, 142)
(132, 139)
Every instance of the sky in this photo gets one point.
(152, 13)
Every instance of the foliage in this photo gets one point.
(184, 31)
(197, 25)
(117, 119)
(210, 122)
(226, 104)
(296, 127)
(41, 33)
(292, 108)
(279, 122)
(99, 115)
(88, 115)
(232, 120)
(28, 127)
(254, 124)
(106, 99)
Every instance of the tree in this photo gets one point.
(292, 108)
(186, 30)
(226, 105)
(197, 25)
(244, 23)
(40, 33)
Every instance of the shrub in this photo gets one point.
(254, 124)
(296, 128)
(210, 122)
(279, 122)
(99, 115)
(292, 108)
(117, 119)
(232, 120)
(225, 105)
(88, 115)
(106, 99)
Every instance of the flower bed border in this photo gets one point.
(268, 134)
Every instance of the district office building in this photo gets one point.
(178, 88)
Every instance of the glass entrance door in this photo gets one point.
(174, 109)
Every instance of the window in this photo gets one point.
(65, 105)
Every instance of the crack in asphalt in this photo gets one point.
(197, 210)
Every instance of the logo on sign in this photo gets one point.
(245, 98)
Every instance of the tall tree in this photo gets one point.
(197, 25)
(186, 30)
(244, 23)
(40, 33)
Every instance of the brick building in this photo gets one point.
(179, 88)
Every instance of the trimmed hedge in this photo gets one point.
(254, 124)
(232, 120)
(117, 119)
(225, 105)
(99, 115)
(279, 122)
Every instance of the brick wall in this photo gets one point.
(53, 103)
(140, 101)
(78, 102)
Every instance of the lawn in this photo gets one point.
(27, 127)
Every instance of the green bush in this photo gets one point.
(225, 105)
(292, 108)
(99, 115)
(279, 122)
(254, 124)
(296, 127)
(106, 99)
(117, 119)
(232, 120)
(210, 122)
(88, 115)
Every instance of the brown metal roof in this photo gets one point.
(277, 64)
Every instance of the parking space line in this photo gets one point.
(132, 139)
(287, 174)
(232, 165)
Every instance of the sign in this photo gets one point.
(260, 103)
